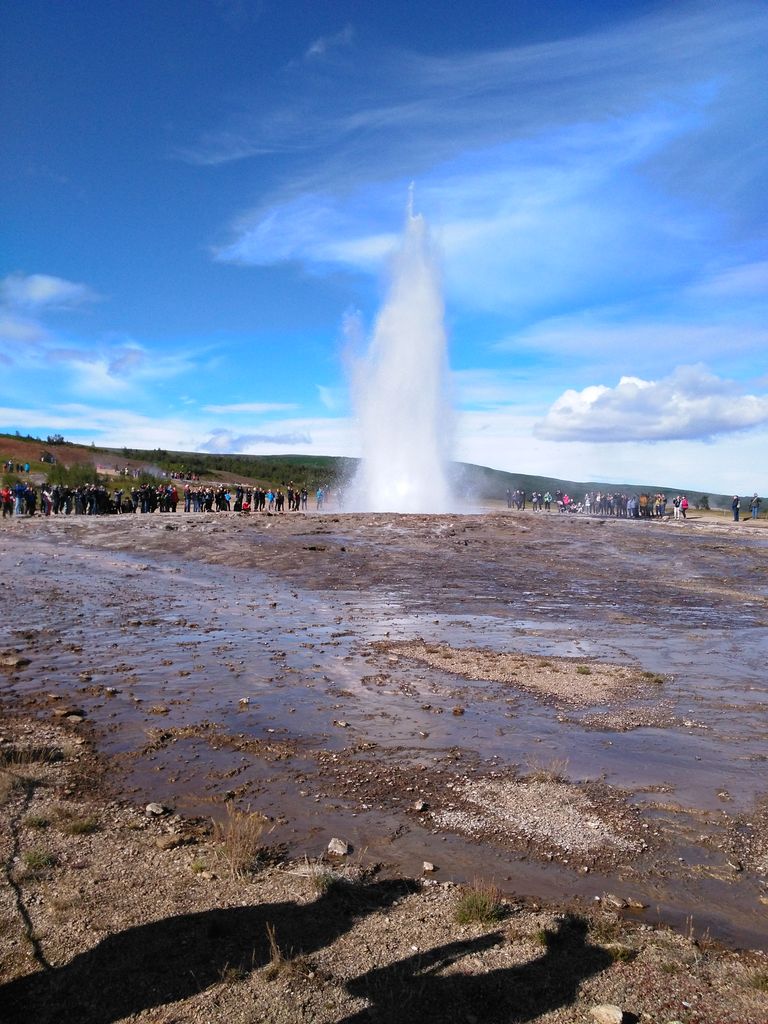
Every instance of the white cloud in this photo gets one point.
(226, 441)
(42, 291)
(688, 405)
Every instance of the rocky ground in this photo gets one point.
(110, 911)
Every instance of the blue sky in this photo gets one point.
(196, 195)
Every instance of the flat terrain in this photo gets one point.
(568, 714)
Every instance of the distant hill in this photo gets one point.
(470, 481)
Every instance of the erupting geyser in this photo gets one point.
(400, 389)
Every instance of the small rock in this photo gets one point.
(339, 847)
(13, 661)
(342, 724)
(607, 1013)
(458, 711)
(420, 805)
(428, 866)
(244, 700)
(614, 901)
(75, 719)
(155, 810)
(636, 904)
(168, 842)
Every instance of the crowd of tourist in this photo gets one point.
(23, 498)
(623, 506)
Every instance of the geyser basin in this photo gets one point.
(400, 390)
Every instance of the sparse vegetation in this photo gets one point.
(38, 821)
(480, 903)
(584, 670)
(38, 859)
(759, 980)
(80, 826)
(238, 839)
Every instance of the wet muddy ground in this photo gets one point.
(564, 706)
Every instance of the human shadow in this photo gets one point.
(176, 957)
(411, 989)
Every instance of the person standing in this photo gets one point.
(684, 506)
(735, 506)
(754, 506)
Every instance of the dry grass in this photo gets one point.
(481, 902)
(238, 840)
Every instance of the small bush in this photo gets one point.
(481, 903)
(583, 670)
(759, 980)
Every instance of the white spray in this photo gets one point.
(400, 390)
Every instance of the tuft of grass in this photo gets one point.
(38, 821)
(480, 902)
(759, 980)
(197, 866)
(325, 879)
(80, 826)
(583, 670)
(654, 677)
(38, 859)
(238, 839)
(280, 964)
(555, 770)
(231, 974)
(670, 967)
(622, 954)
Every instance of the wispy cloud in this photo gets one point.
(42, 291)
(691, 404)
(321, 46)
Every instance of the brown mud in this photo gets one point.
(566, 707)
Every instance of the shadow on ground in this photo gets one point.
(160, 963)
(412, 990)
(172, 959)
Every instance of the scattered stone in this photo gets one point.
(75, 719)
(428, 866)
(458, 711)
(615, 901)
(339, 847)
(607, 1013)
(244, 700)
(342, 724)
(155, 810)
(421, 805)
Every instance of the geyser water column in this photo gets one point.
(400, 389)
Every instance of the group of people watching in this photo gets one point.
(23, 498)
(610, 503)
